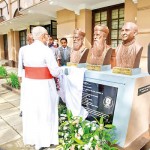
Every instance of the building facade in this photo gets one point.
(60, 18)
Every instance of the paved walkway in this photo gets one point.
(10, 122)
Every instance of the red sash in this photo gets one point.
(37, 73)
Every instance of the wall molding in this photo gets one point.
(144, 32)
(143, 8)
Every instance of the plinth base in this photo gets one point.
(126, 71)
(98, 67)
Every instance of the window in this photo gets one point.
(22, 37)
(113, 17)
(54, 29)
(48, 28)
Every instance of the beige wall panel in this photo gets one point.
(143, 3)
(144, 40)
(66, 23)
(66, 30)
(84, 21)
(81, 20)
(143, 20)
(130, 11)
(143, 64)
(65, 15)
(88, 28)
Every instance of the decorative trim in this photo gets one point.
(144, 8)
(146, 32)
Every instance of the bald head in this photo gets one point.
(38, 31)
(128, 32)
(132, 26)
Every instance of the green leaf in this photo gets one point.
(109, 126)
(113, 148)
(101, 120)
(79, 141)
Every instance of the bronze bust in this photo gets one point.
(100, 53)
(79, 52)
(128, 53)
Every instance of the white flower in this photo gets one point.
(91, 139)
(87, 124)
(66, 135)
(101, 126)
(87, 146)
(80, 131)
(77, 136)
(77, 125)
(64, 128)
(93, 128)
(79, 146)
(64, 115)
(62, 118)
(96, 137)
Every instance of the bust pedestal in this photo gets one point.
(131, 110)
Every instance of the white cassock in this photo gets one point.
(71, 87)
(21, 72)
(40, 99)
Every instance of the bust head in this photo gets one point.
(100, 53)
(78, 38)
(100, 35)
(128, 32)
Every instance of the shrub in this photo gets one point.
(78, 134)
(13, 80)
(3, 72)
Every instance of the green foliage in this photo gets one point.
(13, 80)
(78, 134)
(3, 72)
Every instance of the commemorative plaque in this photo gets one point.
(99, 100)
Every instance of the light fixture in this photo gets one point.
(135, 1)
(51, 2)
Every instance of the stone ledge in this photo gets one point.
(8, 87)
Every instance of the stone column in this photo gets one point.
(11, 54)
(16, 47)
(84, 21)
(1, 47)
(66, 23)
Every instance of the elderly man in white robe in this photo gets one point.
(40, 110)
(21, 66)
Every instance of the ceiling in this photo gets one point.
(45, 11)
